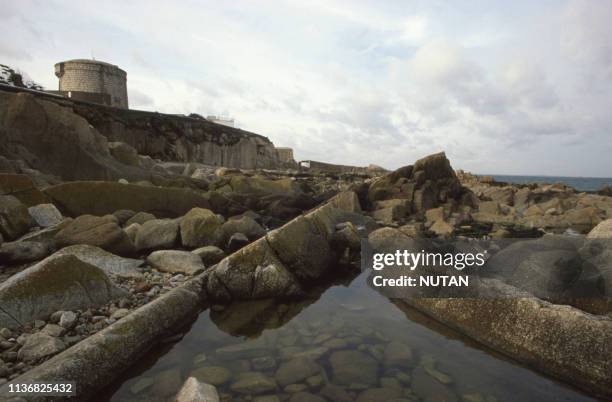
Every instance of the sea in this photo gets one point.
(579, 183)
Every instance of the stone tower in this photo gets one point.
(93, 81)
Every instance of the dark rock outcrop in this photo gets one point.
(428, 183)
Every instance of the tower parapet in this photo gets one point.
(93, 81)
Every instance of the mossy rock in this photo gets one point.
(57, 283)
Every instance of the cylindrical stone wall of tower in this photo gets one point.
(93, 76)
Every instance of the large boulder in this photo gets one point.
(45, 215)
(198, 227)
(428, 183)
(157, 234)
(504, 263)
(103, 232)
(101, 198)
(302, 248)
(244, 224)
(14, 218)
(252, 272)
(548, 274)
(61, 282)
(109, 263)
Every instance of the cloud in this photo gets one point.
(509, 87)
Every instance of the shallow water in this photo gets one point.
(260, 336)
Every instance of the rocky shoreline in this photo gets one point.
(107, 252)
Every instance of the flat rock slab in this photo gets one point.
(108, 262)
(175, 261)
(101, 198)
(57, 283)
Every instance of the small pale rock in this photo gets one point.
(68, 319)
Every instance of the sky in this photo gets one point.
(503, 87)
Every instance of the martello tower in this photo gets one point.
(93, 81)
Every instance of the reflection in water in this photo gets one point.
(344, 344)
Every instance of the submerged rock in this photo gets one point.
(306, 397)
(296, 370)
(379, 394)
(351, 366)
(398, 354)
(430, 389)
(215, 375)
(253, 383)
